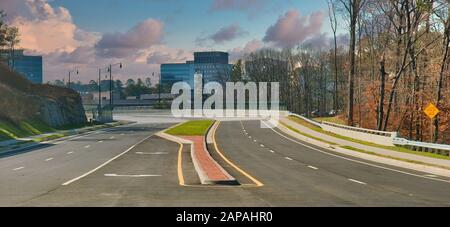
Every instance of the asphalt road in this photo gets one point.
(129, 167)
(38, 172)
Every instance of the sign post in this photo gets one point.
(431, 111)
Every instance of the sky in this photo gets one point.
(88, 35)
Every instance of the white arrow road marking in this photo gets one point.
(19, 168)
(135, 176)
(152, 153)
(356, 181)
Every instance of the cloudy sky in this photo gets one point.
(87, 34)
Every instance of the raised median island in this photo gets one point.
(209, 171)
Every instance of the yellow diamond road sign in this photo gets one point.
(431, 111)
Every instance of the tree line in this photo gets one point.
(394, 64)
(131, 87)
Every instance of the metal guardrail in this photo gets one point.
(443, 149)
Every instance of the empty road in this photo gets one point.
(129, 166)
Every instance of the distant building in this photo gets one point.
(213, 66)
(28, 66)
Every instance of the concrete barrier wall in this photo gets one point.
(377, 137)
(373, 136)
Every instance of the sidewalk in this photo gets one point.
(377, 150)
(32, 141)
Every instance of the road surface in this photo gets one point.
(128, 166)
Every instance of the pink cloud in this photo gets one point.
(141, 36)
(248, 48)
(292, 28)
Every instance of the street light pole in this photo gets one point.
(99, 89)
(109, 68)
(159, 89)
(70, 73)
(110, 87)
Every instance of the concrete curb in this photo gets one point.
(369, 157)
(201, 174)
(210, 141)
(204, 179)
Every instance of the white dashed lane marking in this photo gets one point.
(87, 146)
(356, 181)
(152, 153)
(133, 176)
(287, 158)
(312, 167)
(48, 159)
(19, 168)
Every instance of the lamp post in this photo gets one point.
(76, 70)
(111, 83)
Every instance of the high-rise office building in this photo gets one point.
(213, 66)
(28, 66)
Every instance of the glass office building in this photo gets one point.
(28, 66)
(212, 65)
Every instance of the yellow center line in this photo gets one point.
(180, 169)
(258, 183)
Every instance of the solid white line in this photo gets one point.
(353, 160)
(356, 181)
(135, 176)
(19, 168)
(312, 167)
(290, 159)
(48, 159)
(87, 146)
(152, 153)
(106, 163)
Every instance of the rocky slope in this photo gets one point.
(21, 100)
